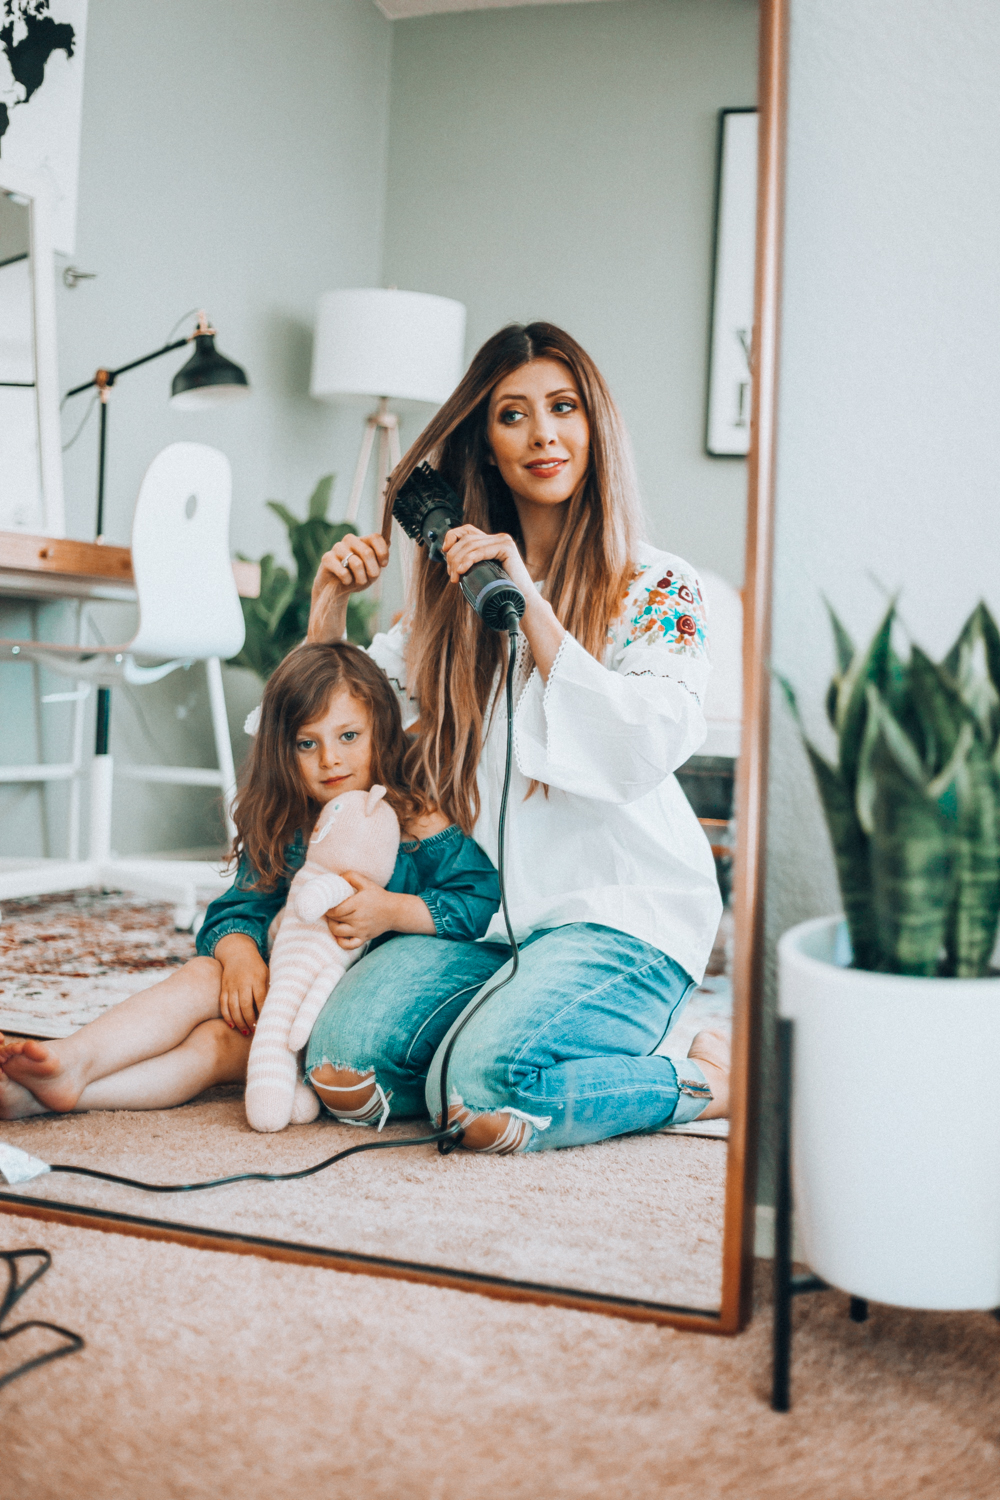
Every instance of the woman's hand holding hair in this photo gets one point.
(348, 568)
(244, 981)
(467, 545)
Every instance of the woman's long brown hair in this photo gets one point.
(453, 657)
(273, 804)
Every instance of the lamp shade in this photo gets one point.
(208, 378)
(372, 342)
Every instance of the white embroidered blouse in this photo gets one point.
(615, 840)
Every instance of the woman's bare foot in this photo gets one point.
(39, 1069)
(499, 1134)
(711, 1051)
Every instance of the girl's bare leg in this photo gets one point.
(211, 1053)
(144, 1026)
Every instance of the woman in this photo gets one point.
(611, 883)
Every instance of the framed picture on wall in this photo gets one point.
(727, 428)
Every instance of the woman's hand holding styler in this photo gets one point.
(351, 566)
(467, 545)
(244, 981)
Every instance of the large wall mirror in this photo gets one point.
(649, 1226)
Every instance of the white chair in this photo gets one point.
(189, 611)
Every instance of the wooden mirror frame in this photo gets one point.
(738, 1235)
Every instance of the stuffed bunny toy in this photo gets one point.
(357, 831)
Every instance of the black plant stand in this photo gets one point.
(787, 1286)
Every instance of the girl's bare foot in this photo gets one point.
(16, 1102)
(37, 1067)
(711, 1051)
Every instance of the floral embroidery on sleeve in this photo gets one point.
(672, 613)
(637, 573)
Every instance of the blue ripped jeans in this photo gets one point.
(567, 1046)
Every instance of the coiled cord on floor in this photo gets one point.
(448, 1136)
(15, 1291)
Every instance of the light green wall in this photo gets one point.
(558, 162)
(233, 157)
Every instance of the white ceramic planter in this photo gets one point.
(895, 1126)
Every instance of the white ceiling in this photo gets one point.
(399, 10)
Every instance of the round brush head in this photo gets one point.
(427, 508)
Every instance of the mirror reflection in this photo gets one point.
(341, 994)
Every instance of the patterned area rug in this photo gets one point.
(66, 959)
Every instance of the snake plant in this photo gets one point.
(276, 620)
(912, 803)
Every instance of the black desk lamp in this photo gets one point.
(208, 379)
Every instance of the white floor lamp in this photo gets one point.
(403, 346)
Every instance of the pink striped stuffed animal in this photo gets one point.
(357, 831)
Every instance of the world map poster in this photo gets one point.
(41, 96)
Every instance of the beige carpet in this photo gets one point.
(214, 1377)
(636, 1217)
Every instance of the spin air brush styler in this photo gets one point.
(427, 508)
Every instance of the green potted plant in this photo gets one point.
(277, 619)
(896, 1106)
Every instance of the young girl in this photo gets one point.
(329, 723)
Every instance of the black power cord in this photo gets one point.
(15, 1291)
(449, 1136)
(448, 1142)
